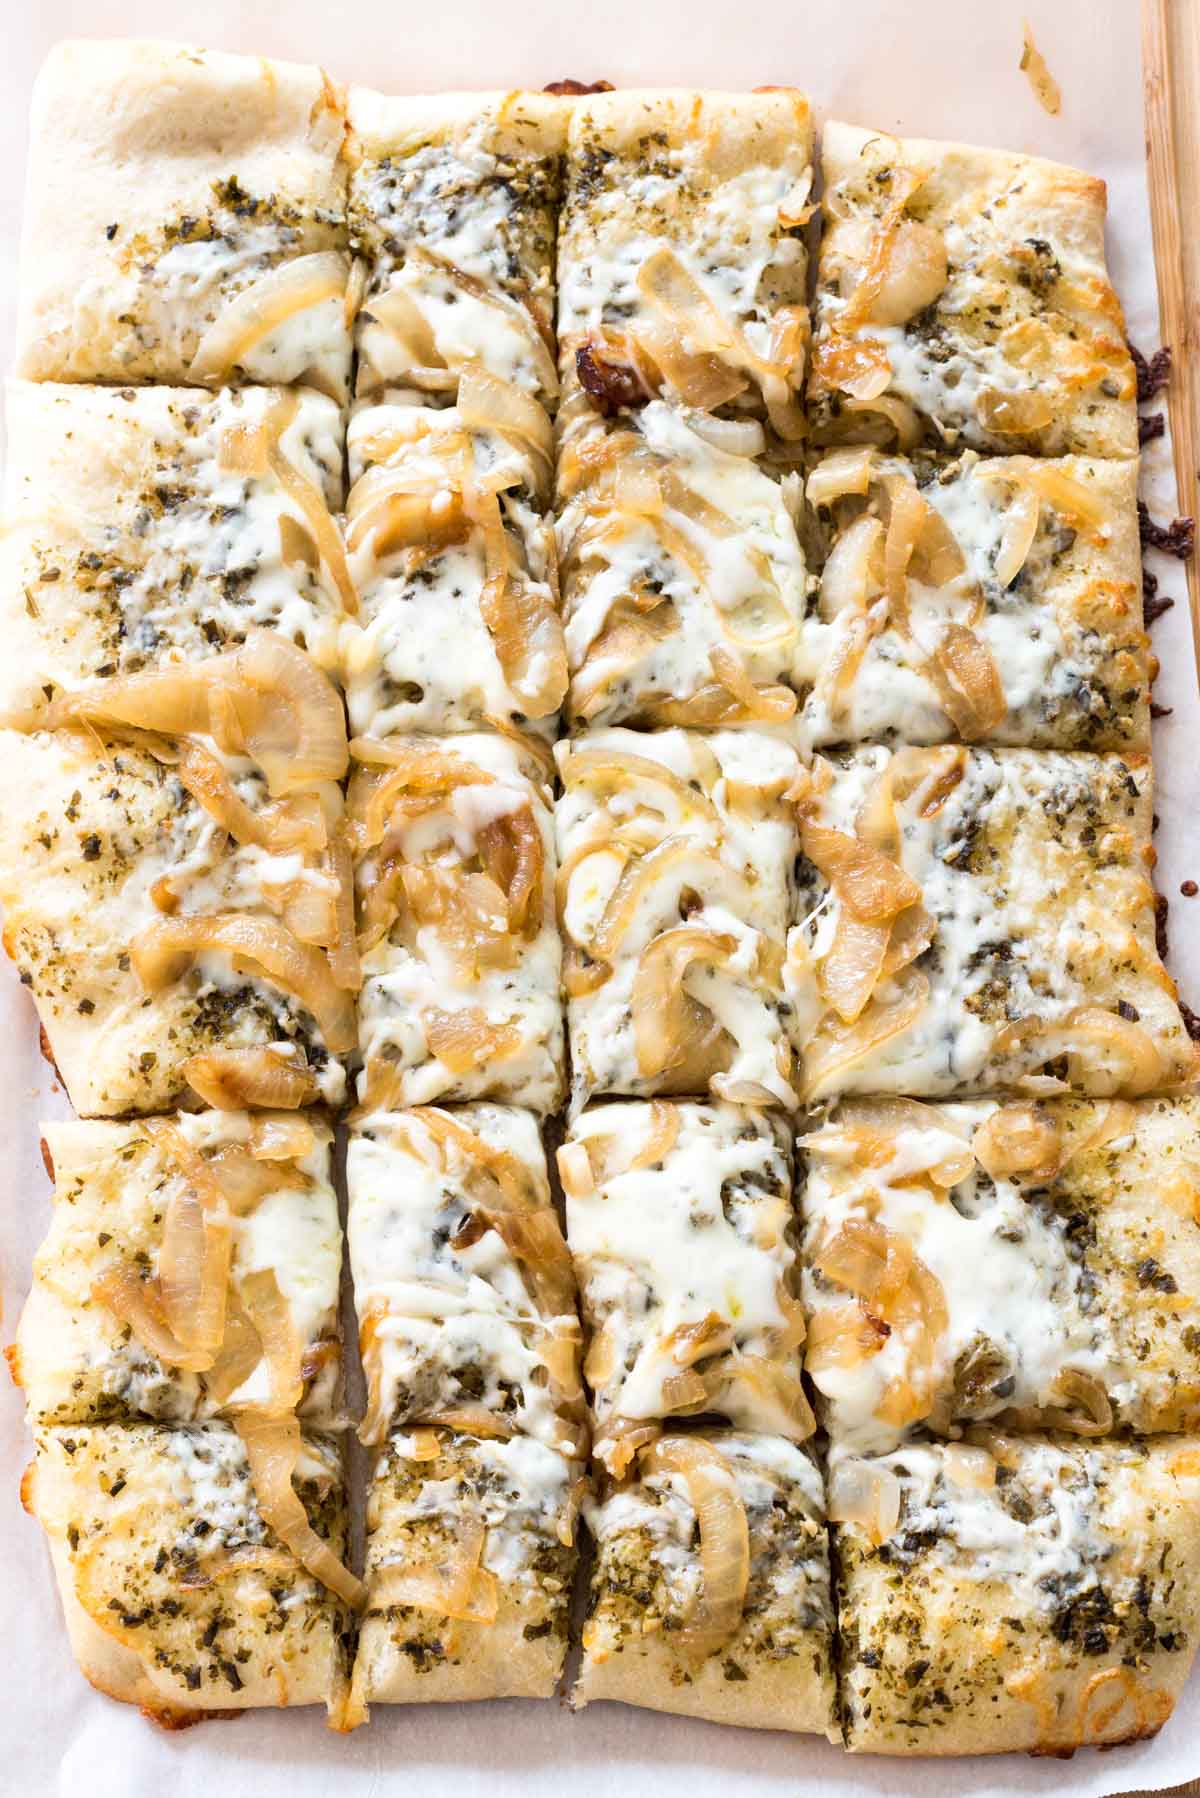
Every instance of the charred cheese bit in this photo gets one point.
(158, 524)
(449, 545)
(962, 297)
(460, 955)
(1004, 1595)
(452, 202)
(178, 1597)
(149, 935)
(676, 852)
(720, 1521)
(994, 600)
(679, 1218)
(463, 1283)
(681, 261)
(977, 919)
(1033, 1263)
(470, 1559)
(120, 1189)
(680, 560)
(187, 220)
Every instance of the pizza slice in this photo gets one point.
(191, 1269)
(178, 1594)
(1033, 1264)
(453, 200)
(460, 955)
(963, 298)
(449, 543)
(979, 600)
(709, 1593)
(1000, 1595)
(978, 919)
(470, 1560)
(681, 257)
(185, 220)
(679, 1218)
(157, 524)
(176, 879)
(683, 577)
(462, 1280)
(675, 852)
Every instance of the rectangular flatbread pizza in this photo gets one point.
(977, 919)
(178, 1596)
(452, 203)
(963, 299)
(681, 252)
(976, 600)
(683, 576)
(676, 852)
(463, 1283)
(470, 1559)
(178, 902)
(185, 220)
(679, 1217)
(449, 543)
(710, 1594)
(999, 1595)
(154, 524)
(461, 959)
(157, 1227)
(1034, 1264)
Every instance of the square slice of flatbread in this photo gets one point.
(1043, 1266)
(121, 1192)
(976, 920)
(676, 852)
(185, 220)
(461, 958)
(1004, 1595)
(963, 298)
(178, 1597)
(759, 1655)
(463, 1283)
(993, 599)
(679, 1217)
(470, 1558)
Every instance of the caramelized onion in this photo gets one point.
(1017, 414)
(259, 946)
(1016, 541)
(456, 1587)
(272, 1447)
(285, 290)
(1018, 1139)
(715, 1614)
(674, 1033)
(865, 1494)
(234, 1079)
(462, 1040)
(837, 1047)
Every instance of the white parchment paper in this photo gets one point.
(935, 68)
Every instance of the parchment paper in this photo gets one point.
(935, 68)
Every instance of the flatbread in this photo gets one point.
(86, 830)
(1020, 618)
(680, 1221)
(680, 561)
(164, 182)
(696, 829)
(1040, 1594)
(685, 212)
(462, 1281)
(997, 328)
(1053, 1267)
(453, 202)
(79, 1361)
(498, 1519)
(138, 534)
(449, 543)
(983, 922)
(775, 1669)
(465, 1005)
(176, 1595)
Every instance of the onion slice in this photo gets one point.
(241, 1079)
(289, 288)
(272, 1447)
(713, 1617)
